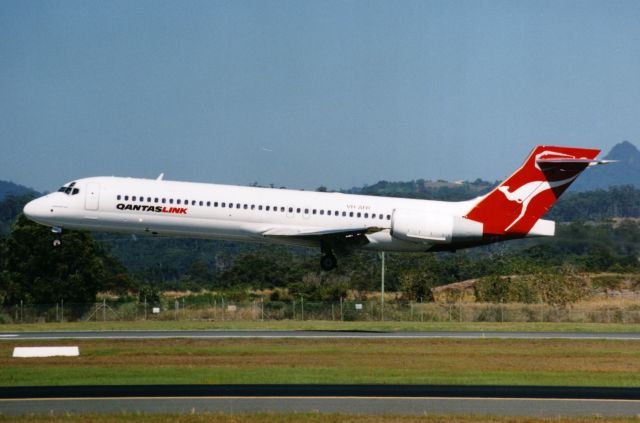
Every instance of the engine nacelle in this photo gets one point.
(433, 228)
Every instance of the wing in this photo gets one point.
(340, 239)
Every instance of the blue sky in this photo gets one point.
(309, 93)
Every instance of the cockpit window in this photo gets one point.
(69, 189)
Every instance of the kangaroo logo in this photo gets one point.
(528, 192)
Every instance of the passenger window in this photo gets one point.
(350, 214)
(336, 213)
(290, 209)
(366, 215)
(155, 200)
(259, 207)
(314, 211)
(238, 206)
(215, 204)
(359, 214)
(117, 198)
(126, 197)
(222, 204)
(306, 211)
(164, 201)
(133, 198)
(148, 199)
(208, 203)
(267, 208)
(201, 203)
(230, 205)
(282, 209)
(298, 210)
(253, 206)
(344, 213)
(388, 217)
(178, 201)
(321, 211)
(246, 206)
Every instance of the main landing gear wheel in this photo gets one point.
(328, 262)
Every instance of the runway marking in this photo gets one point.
(8, 335)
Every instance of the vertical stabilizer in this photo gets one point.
(515, 206)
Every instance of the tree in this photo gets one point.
(560, 287)
(74, 271)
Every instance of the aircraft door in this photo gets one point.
(92, 199)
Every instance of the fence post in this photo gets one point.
(332, 316)
(56, 311)
(21, 312)
(145, 307)
(62, 311)
(262, 309)
(104, 309)
(302, 307)
(341, 315)
(411, 311)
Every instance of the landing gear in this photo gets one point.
(57, 231)
(328, 261)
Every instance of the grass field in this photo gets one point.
(297, 417)
(429, 361)
(324, 325)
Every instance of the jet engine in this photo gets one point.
(433, 228)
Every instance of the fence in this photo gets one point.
(258, 310)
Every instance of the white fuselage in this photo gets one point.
(229, 212)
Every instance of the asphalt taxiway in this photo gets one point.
(350, 399)
(274, 334)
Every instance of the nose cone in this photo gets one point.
(35, 210)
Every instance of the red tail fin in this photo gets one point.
(522, 199)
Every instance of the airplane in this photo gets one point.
(336, 223)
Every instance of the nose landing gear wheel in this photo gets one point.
(328, 262)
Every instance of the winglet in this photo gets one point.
(160, 177)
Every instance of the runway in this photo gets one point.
(349, 399)
(305, 334)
